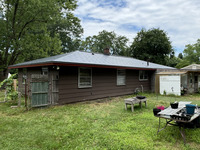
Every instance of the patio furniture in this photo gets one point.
(133, 101)
(175, 117)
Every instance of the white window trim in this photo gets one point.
(125, 78)
(143, 79)
(81, 86)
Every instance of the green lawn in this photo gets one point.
(100, 124)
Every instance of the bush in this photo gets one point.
(10, 92)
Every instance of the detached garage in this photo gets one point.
(168, 83)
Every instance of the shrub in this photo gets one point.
(10, 92)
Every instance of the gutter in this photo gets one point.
(78, 65)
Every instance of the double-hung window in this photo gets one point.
(143, 75)
(121, 77)
(84, 77)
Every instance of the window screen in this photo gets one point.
(85, 77)
(143, 75)
(121, 77)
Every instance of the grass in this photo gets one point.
(100, 124)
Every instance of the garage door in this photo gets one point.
(170, 84)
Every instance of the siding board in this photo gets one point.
(91, 97)
(93, 92)
(103, 84)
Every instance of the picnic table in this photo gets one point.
(134, 100)
(168, 112)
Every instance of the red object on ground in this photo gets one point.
(161, 107)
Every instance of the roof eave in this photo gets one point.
(78, 65)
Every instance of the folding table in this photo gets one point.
(166, 114)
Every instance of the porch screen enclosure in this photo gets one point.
(39, 90)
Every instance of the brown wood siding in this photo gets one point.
(30, 71)
(104, 82)
(20, 85)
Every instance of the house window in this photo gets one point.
(45, 71)
(143, 75)
(85, 77)
(121, 77)
(24, 76)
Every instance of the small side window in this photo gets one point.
(85, 77)
(121, 77)
(24, 76)
(45, 71)
(143, 75)
(24, 79)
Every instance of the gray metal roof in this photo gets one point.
(88, 58)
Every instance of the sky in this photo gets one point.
(180, 19)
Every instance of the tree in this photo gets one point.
(172, 61)
(69, 31)
(97, 43)
(26, 31)
(180, 55)
(182, 63)
(152, 45)
(191, 54)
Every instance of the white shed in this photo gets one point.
(169, 83)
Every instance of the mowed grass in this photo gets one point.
(100, 124)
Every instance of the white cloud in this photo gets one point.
(179, 18)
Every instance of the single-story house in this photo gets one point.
(79, 76)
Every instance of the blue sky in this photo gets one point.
(179, 18)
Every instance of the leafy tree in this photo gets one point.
(97, 43)
(28, 29)
(153, 45)
(69, 31)
(180, 55)
(182, 63)
(172, 61)
(191, 54)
